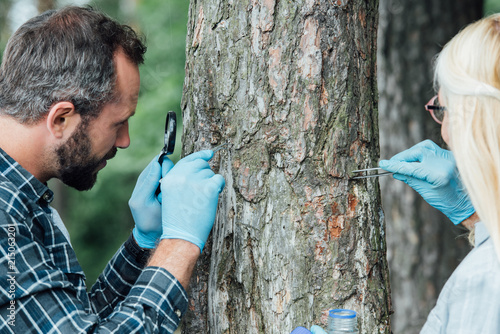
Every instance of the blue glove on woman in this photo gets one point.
(190, 193)
(145, 208)
(314, 330)
(433, 173)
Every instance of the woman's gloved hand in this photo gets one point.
(190, 193)
(314, 330)
(433, 173)
(145, 208)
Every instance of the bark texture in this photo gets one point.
(423, 245)
(291, 85)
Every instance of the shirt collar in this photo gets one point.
(23, 180)
(481, 233)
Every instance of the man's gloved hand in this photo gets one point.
(190, 193)
(433, 173)
(144, 206)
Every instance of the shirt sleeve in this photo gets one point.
(470, 300)
(115, 282)
(40, 298)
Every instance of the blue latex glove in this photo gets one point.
(300, 330)
(314, 330)
(317, 330)
(433, 173)
(190, 193)
(145, 208)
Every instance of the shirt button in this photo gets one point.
(46, 197)
(178, 313)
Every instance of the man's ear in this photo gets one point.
(62, 119)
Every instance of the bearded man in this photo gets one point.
(69, 83)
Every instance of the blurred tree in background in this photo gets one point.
(4, 31)
(423, 247)
(491, 6)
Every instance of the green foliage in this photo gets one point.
(4, 31)
(99, 220)
(164, 25)
(491, 6)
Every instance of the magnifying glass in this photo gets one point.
(168, 139)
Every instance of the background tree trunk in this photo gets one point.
(44, 5)
(423, 248)
(292, 86)
(4, 31)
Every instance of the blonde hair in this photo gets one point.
(468, 76)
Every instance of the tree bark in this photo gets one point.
(423, 248)
(291, 85)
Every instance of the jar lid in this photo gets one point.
(342, 313)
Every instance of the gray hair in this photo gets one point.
(64, 55)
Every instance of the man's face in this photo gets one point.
(78, 166)
(95, 141)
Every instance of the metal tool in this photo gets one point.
(168, 140)
(367, 170)
(220, 147)
(169, 136)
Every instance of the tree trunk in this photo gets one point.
(422, 244)
(291, 85)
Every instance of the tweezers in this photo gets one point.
(369, 175)
(220, 147)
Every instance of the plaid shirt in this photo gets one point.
(42, 286)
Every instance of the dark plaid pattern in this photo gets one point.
(42, 286)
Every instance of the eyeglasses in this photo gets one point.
(437, 111)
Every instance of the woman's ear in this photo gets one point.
(62, 119)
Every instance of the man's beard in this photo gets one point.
(77, 167)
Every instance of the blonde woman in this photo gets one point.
(465, 183)
(467, 76)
